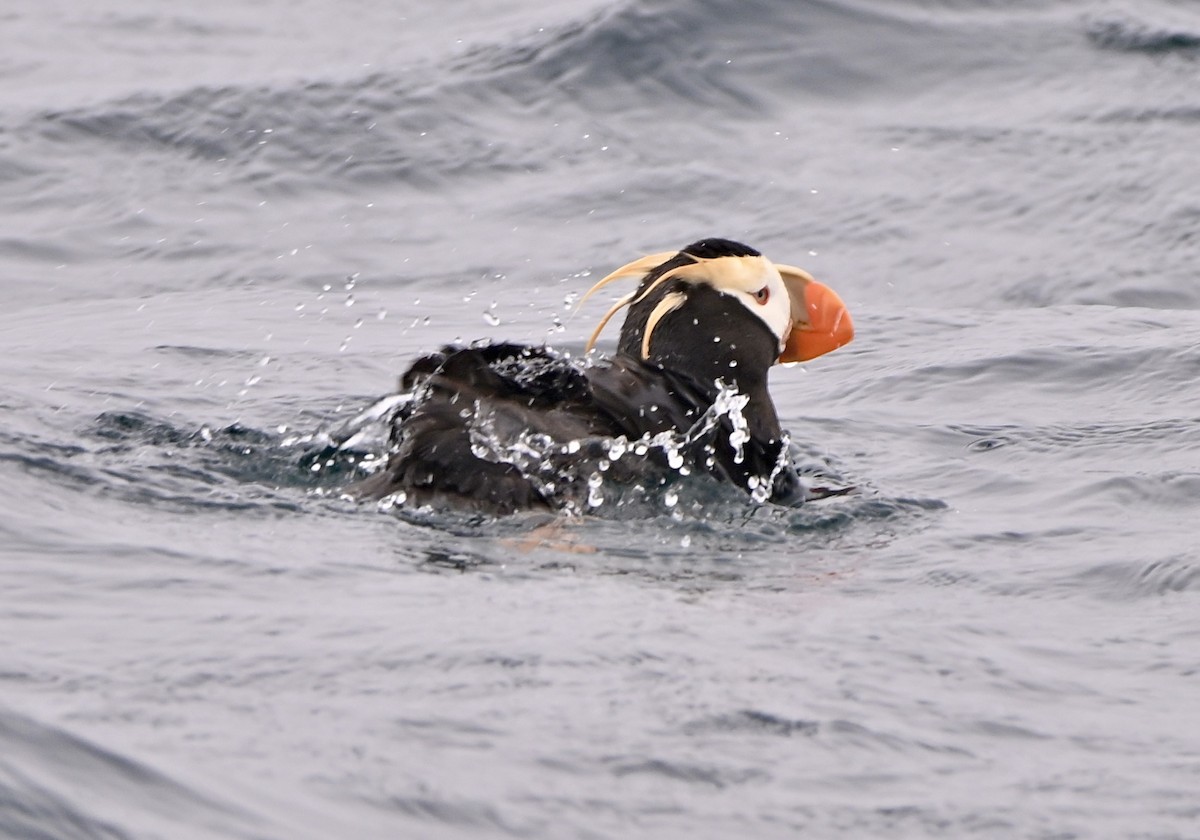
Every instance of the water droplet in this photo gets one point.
(389, 502)
(595, 499)
(670, 498)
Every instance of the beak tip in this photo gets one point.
(829, 326)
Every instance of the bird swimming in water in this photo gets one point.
(499, 427)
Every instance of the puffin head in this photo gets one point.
(720, 309)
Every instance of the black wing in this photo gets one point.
(462, 395)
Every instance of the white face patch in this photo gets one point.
(754, 281)
(745, 278)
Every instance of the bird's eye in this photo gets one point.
(762, 295)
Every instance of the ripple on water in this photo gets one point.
(1135, 579)
(148, 460)
(1133, 35)
(64, 786)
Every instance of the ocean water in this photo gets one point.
(225, 230)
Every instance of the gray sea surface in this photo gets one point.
(226, 228)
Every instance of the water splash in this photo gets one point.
(649, 474)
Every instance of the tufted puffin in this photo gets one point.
(499, 427)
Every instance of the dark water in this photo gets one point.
(224, 230)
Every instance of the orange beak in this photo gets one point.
(820, 323)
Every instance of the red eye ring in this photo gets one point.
(762, 295)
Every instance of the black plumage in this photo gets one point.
(490, 427)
